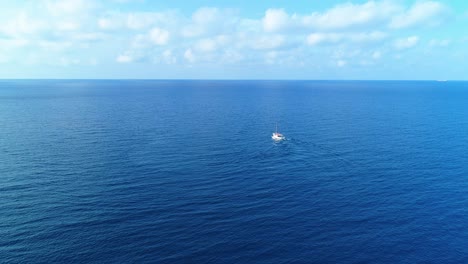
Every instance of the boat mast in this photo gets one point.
(277, 128)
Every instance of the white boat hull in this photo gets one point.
(277, 137)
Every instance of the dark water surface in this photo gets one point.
(186, 172)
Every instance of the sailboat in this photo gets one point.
(277, 136)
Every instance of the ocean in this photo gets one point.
(161, 171)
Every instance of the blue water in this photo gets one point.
(186, 172)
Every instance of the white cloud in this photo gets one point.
(55, 45)
(203, 20)
(332, 38)
(348, 15)
(341, 63)
(206, 45)
(268, 42)
(189, 56)
(66, 61)
(232, 56)
(124, 58)
(439, 42)
(12, 43)
(376, 55)
(106, 23)
(406, 43)
(88, 37)
(168, 57)
(206, 15)
(421, 13)
(367, 36)
(67, 7)
(140, 20)
(145, 20)
(93, 62)
(275, 20)
(68, 26)
(22, 24)
(159, 36)
(212, 44)
(367, 15)
(339, 17)
(215, 35)
(319, 38)
(209, 21)
(140, 41)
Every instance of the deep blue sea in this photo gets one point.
(124, 171)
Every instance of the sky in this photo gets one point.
(276, 39)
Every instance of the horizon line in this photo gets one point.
(219, 79)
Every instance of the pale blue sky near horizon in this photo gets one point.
(120, 39)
